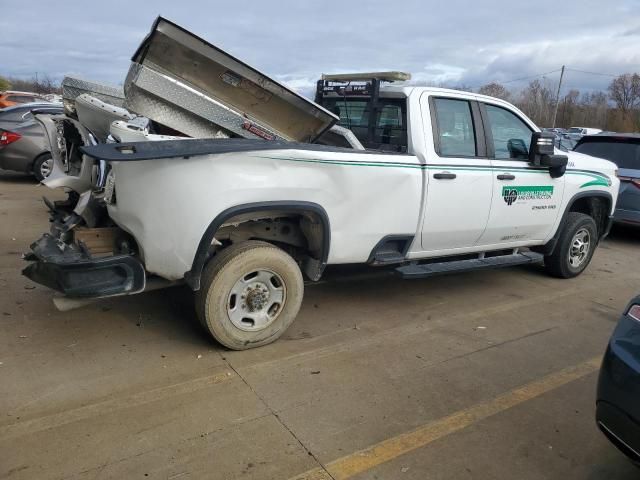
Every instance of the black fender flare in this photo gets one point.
(549, 247)
(192, 277)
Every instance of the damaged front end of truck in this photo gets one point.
(179, 87)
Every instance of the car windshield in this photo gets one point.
(575, 130)
(623, 154)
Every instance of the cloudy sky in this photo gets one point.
(453, 42)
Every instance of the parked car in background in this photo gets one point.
(53, 97)
(12, 116)
(575, 133)
(624, 150)
(618, 397)
(23, 146)
(11, 98)
(565, 144)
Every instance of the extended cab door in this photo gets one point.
(458, 175)
(526, 200)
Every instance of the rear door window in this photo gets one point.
(390, 129)
(623, 154)
(455, 133)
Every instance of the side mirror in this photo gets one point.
(542, 151)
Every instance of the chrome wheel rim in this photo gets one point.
(256, 300)
(46, 167)
(580, 246)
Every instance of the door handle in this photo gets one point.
(506, 176)
(444, 176)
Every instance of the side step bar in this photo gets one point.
(455, 266)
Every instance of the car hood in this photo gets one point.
(580, 161)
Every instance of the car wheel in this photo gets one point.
(250, 293)
(575, 247)
(42, 167)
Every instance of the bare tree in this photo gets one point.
(42, 84)
(569, 109)
(538, 101)
(625, 91)
(495, 89)
(462, 87)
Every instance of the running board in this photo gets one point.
(455, 266)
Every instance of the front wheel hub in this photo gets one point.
(580, 247)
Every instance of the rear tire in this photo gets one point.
(250, 293)
(575, 247)
(42, 166)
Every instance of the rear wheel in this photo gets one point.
(575, 247)
(250, 293)
(42, 167)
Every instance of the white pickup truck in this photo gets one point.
(458, 182)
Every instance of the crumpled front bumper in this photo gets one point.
(72, 271)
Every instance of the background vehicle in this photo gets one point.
(565, 144)
(623, 149)
(575, 133)
(451, 181)
(618, 397)
(10, 98)
(23, 146)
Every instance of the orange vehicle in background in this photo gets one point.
(11, 98)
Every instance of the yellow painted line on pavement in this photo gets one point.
(370, 457)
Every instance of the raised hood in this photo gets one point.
(184, 82)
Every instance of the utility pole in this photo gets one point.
(555, 112)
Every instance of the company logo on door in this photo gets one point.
(525, 193)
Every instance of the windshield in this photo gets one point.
(575, 130)
(623, 154)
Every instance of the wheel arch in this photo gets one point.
(202, 256)
(595, 203)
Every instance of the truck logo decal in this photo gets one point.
(524, 193)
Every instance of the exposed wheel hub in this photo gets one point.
(579, 250)
(256, 300)
(255, 297)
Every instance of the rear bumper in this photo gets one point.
(71, 271)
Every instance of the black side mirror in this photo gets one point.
(541, 154)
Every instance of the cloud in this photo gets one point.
(453, 42)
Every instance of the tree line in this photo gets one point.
(616, 109)
(41, 84)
